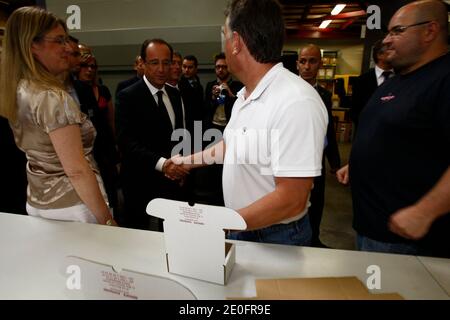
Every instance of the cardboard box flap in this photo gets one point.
(195, 239)
(220, 217)
(87, 279)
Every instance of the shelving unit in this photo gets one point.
(326, 74)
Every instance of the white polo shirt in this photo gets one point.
(278, 131)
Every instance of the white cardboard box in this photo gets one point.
(87, 279)
(195, 238)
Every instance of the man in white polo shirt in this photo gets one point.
(274, 141)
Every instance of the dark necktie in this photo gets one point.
(386, 75)
(160, 100)
(178, 113)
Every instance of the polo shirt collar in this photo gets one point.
(263, 83)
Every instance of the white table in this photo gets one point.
(32, 251)
(439, 269)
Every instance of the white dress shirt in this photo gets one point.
(379, 74)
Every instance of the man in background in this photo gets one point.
(308, 64)
(366, 84)
(175, 70)
(139, 68)
(220, 96)
(191, 89)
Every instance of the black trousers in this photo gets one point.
(315, 211)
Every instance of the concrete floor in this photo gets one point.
(336, 228)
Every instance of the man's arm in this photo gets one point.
(212, 155)
(413, 222)
(289, 198)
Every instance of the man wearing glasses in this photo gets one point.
(224, 85)
(147, 113)
(220, 96)
(399, 164)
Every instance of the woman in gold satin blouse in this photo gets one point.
(63, 179)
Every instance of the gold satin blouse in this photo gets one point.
(41, 111)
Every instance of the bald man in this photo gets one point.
(308, 65)
(399, 164)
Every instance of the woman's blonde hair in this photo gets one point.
(25, 26)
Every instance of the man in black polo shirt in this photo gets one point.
(399, 164)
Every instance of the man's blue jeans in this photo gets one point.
(364, 243)
(296, 233)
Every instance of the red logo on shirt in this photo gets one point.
(102, 102)
(387, 98)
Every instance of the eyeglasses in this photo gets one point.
(155, 63)
(87, 65)
(221, 66)
(61, 40)
(397, 30)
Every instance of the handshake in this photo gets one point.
(176, 169)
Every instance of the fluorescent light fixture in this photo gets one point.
(337, 9)
(324, 24)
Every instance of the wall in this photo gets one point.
(350, 52)
(115, 29)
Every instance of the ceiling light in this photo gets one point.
(324, 24)
(337, 9)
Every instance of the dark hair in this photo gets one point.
(178, 54)
(191, 58)
(378, 48)
(261, 26)
(73, 39)
(219, 56)
(156, 40)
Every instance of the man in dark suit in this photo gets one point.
(147, 114)
(191, 89)
(366, 84)
(308, 64)
(139, 68)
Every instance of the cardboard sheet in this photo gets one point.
(342, 288)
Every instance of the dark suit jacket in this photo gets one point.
(364, 87)
(331, 151)
(144, 136)
(193, 101)
(126, 83)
